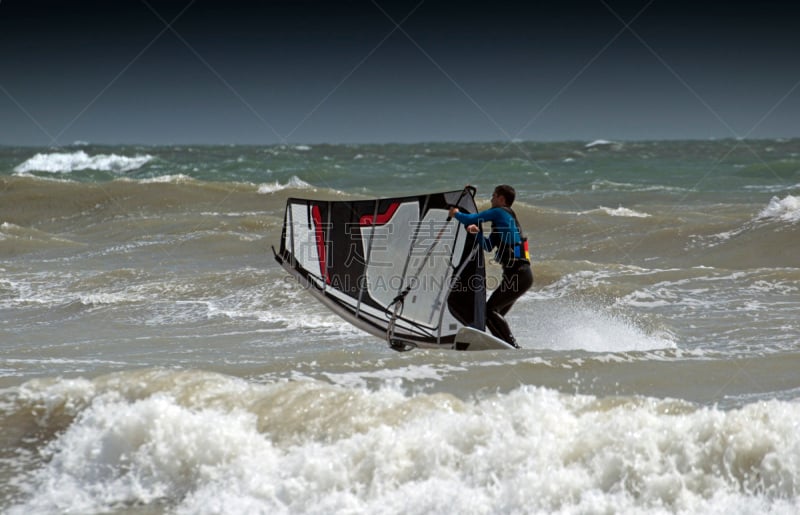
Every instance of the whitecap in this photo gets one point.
(624, 212)
(786, 209)
(167, 179)
(294, 182)
(599, 143)
(606, 185)
(67, 162)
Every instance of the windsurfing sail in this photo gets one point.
(398, 268)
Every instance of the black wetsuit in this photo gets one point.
(507, 237)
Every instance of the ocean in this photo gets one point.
(154, 358)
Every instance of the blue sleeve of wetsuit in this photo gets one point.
(477, 218)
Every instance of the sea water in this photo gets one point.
(154, 358)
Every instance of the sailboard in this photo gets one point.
(398, 268)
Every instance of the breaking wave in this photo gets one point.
(623, 212)
(196, 442)
(67, 162)
(293, 183)
(786, 209)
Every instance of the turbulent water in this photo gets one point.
(155, 359)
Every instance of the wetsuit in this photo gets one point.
(517, 275)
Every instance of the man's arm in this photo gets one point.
(472, 221)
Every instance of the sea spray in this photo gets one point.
(208, 444)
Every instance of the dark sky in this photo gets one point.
(182, 71)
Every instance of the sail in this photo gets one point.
(397, 268)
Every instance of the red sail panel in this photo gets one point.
(320, 237)
(381, 218)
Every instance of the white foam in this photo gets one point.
(425, 372)
(786, 209)
(623, 212)
(9, 229)
(774, 188)
(166, 179)
(284, 317)
(67, 162)
(606, 185)
(599, 143)
(293, 183)
(108, 298)
(217, 445)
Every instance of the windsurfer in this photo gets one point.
(512, 255)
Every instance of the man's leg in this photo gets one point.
(515, 283)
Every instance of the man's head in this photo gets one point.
(503, 196)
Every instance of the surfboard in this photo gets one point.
(469, 338)
(466, 339)
(398, 268)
